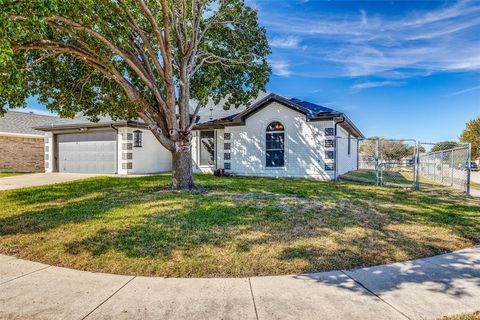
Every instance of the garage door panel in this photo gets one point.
(89, 152)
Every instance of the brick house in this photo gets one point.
(21, 146)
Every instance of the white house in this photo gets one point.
(274, 136)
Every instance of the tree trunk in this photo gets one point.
(182, 173)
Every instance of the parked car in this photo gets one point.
(473, 166)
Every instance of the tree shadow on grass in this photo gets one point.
(73, 202)
(242, 214)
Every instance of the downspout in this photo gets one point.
(337, 120)
(116, 162)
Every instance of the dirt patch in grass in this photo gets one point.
(235, 227)
(467, 316)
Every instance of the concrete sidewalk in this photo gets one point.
(424, 288)
(40, 179)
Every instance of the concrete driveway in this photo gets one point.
(40, 179)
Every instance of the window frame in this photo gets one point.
(272, 132)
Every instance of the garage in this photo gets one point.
(87, 152)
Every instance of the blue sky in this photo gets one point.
(398, 69)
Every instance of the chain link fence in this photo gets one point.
(407, 164)
(449, 167)
(385, 162)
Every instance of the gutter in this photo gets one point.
(342, 117)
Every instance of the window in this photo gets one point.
(275, 148)
(349, 143)
(329, 166)
(226, 165)
(226, 156)
(227, 146)
(329, 155)
(207, 148)
(329, 132)
(126, 146)
(137, 141)
(329, 143)
(227, 136)
(127, 156)
(127, 165)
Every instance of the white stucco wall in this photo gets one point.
(152, 157)
(346, 162)
(49, 152)
(304, 145)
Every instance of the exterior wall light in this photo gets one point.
(137, 138)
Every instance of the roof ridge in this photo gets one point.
(32, 113)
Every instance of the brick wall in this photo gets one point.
(21, 154)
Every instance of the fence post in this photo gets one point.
(441, 167)
(452, 165)
(417, 166)
(469, 159)
(376, 162)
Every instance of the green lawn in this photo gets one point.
(401, 177)
(9, 174)
(233, 227)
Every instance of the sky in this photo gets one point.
(398, 69)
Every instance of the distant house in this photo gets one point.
(274, 136)
(22, 147)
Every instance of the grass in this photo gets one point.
(468, 316)
(235, 226)
(9, 174)
(403, 178)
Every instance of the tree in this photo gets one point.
(471, 134)
(444, 145)
(133, 58)
(389, 149)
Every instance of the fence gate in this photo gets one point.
(387, 162)
(449, 167)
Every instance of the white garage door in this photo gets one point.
(89, 152)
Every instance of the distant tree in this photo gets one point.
(393, 150)
(471, 134)
(411, 150)
(444, 145)
(389, 150)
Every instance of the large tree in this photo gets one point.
(444, 145)
(133, 58)
(471, 134)
(388, 149)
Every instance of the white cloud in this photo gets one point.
(418, 43)
(363, 14)
(285, 42)
(280, 68)
(374, 84)
(456, 93)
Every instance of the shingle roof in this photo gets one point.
(23, 122)
(214, 112)
(80, 119)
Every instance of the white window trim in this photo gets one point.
(285, 149)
